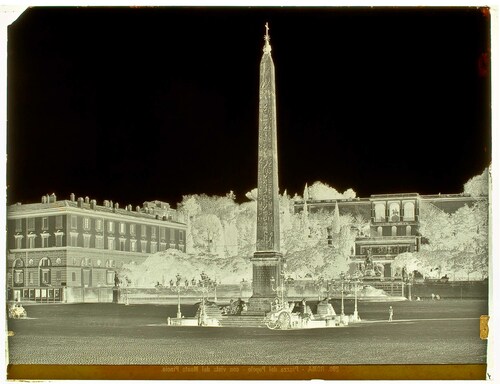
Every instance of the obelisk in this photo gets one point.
(267, 260)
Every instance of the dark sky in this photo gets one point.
(136, 104)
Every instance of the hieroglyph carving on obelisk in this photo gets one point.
(268, 231)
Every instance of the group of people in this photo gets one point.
(235, 307)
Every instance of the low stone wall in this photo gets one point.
(450, 290)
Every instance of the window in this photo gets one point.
(163, 246)
(45, 223)
(18, 276)
(58, 275)
(133, 246)
(143, 230)
(31, 224)
(172, 235)
(163, 233)
(154, 245)
(111, 226)
(73, 222)
(132, 229)
(31, 241)
(122, 244)
(379, 231)
(86, 223)
(408, 230)
(123, 228)
(394, 231)
(59, 222)
(153, 232)
(394, 211)
(59, 236)
(111, 243)
(30, 277)
(73, 276)
(99, 242)
(19, 241)
(379, 212)
(45, 240)
(86, 240)
(144, 244)
(19, 225)
(110, 277)
(74, 239)
(409, 211)
(98, 225)
(181, 236)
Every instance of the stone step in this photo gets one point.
(242, 321)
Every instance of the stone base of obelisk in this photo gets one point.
(267, 267)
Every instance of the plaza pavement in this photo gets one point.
(426, 332)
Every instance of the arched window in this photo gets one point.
(394, 231)
(379, 212)
(45, 262)
(408, 230)
(409, 211)
(394, 211)
(379, 231)
(44, 271)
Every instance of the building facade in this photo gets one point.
(394, 221)
(70, 250)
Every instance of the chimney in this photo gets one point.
(117, 205)
(138, 209)
(80, 202)
(130, 207)
(72, 197)
(93, 203)
(44, 199)
(53, 198)
(164, 218)
(106, 203)
(87, 200)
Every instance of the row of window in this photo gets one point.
(112, 244)
(133, 229)
(394, 231)
(394, 212)
(46, 262)
(45, 277)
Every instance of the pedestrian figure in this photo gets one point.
(438, 297)
(432, 296)
(390, 313)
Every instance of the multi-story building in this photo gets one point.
(393, 221)
(70, 250)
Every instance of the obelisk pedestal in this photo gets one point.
(267, 260)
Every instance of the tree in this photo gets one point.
(207, 232)
(478, 185)
(408, 261)
(336, 220)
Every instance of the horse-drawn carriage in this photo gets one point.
(283, 317)
(17, 311)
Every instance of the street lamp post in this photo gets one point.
(342, 276)
(215, 283)
(356, 281)
(280, 289)
(177, 288)
(319, 284)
